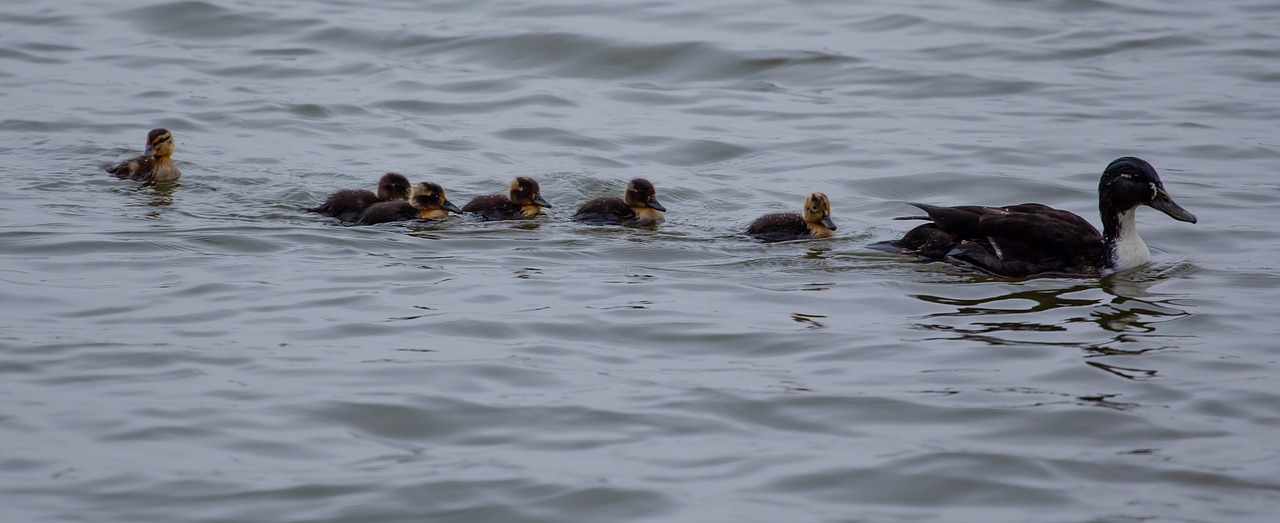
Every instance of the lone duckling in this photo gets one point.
(813, 221)
(523, 200)
(347, 204)
(426, 202)
(638, 207)
(154, 165)
(1032, 239)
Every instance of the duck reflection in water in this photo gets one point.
(1059, 315)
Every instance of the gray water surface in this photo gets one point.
(209, 352)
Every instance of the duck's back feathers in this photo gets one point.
(493, 207)
(779, 227)
(346, 204)
(1016, 240)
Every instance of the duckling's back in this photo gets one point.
(384, 212)
(145, 169)
(346, 205)
(133, 168)
(605, 210)
(492, 207)
(779, 227)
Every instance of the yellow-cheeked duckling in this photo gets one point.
(638, 207)
(1031, 239)
(523, 200)
(347, 204)
(154, 165)
(426, 202)
(814, 221)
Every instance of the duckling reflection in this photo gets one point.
(347, 204)
(523, 200)
(154, 165)
(638, 207)
(426, 202)
(814, 221)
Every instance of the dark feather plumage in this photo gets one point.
(1017, 240)
(605, 210)
(492, 207)
(779, 227)
(346, 204)
(385, 212)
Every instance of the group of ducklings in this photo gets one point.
(396, 199)
(1020, 240)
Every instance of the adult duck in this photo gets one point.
(1032, 239)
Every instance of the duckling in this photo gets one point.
(154, 165)
(638, 207)
(346, 204)
(814, 221)
(523, 200)
(426, 202)
(1032, 239)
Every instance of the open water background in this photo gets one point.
(207, 352)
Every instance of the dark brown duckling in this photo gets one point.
(426, 202)
(638, 207)
(523, 200)
(814, 221)
(154, 165)
(347, 204)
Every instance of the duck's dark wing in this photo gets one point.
(346, 205)
(778, 227)
(492, 207)
(1016, 240)
(384, 212)
(606, 209)
(1033, 239)
(947, 228)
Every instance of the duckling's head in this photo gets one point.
(525, 192)
(1129, 182)
(428, 196)
(640, 193)
(817, 209)
(159, 144)
(393, 186)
